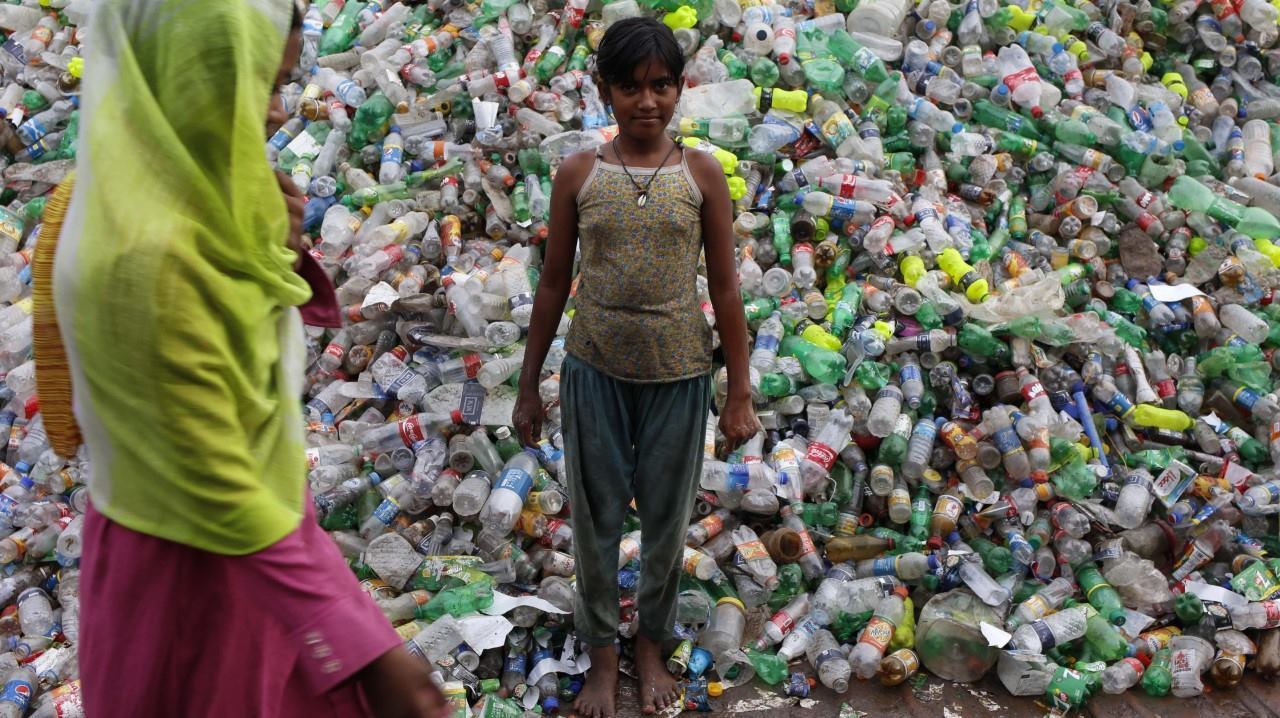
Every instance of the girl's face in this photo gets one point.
(276, 115)
(643, 105)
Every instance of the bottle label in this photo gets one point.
(471, 364)
(806, 543)
(411, 431)
(18, 692)
(400, 381)
(885, 566)
(1037, 606)
(766, 342)
(907, 657)
(1246, 397)
(908, 372)
(739, 477)
(831, 654)
(1272, 609)
(878, 633)
(783, 621)
(515, 479)
(1016, 79)
(821, 454)
(387, 511)
(753, 551)
(1045, 634)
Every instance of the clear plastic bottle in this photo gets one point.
(829, 661)
(875, 637)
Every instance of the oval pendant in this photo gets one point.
(642, 199)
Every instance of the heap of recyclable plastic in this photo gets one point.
(1008, 271)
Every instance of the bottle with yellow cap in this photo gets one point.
(681, 18)
(790, 100)
(964, 275)
(728, 160)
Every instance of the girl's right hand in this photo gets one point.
(527, 416)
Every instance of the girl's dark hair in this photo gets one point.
(630, 42)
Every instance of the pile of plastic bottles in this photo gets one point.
(1008, 268)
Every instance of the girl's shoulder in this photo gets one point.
(706, 171)
(573, 171)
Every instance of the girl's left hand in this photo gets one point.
(738, 423)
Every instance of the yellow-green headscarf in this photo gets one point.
(173, 285)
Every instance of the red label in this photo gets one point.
(1027, 74)
(1145, 220)
(471, 364)
(1144, 200)
(1166, 387)
(1032, 391)
(411, 431)
(821, 454)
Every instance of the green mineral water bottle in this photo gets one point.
(856, 57)
(1102, 641)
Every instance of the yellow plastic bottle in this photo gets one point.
(964, 275)
(912, 268)
(728, 160)
(1171, 419)
(681, 18)
(791, 100)
(815, 334)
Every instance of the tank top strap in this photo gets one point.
(595, 168)
(694, 190)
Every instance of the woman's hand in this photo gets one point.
(398, 685)
(295, 201)
(527, 416)
(738, 422)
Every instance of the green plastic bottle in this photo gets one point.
(823, 365)
(996, 559)
(1102, 642)
(979, 341)
(790, 585)
(342, 32)
(1157, 678)
(460, 601)
(1189, 608)
(370, 121)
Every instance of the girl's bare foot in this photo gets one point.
(658, 688)
(599, 696)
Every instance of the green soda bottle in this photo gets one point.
(1102, 641)
(760, 308)
(342, 32)
(790, 585)
(871, 375)
(921, 511)
(894, 446)
(824, 514)
(550, 61)
(777, 384)
(846, 308)
(1189, 608)
(1157, 679)
(370, 120)
(979, 341)
(764, 73)
(996, 559)
(825, 366)
(460, 601)
(781, 222)
(734, 64)
(856, 57)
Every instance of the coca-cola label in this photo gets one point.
(1023, 76)
(411, 431)
(821, 454)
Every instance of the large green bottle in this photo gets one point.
(342, 32)
(460, 601)
(825, 366)
(370, 121)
